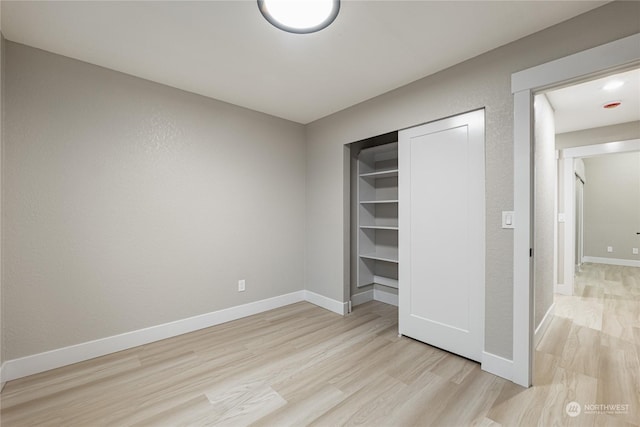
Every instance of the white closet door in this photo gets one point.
(442, 233)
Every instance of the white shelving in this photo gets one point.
(378, 216)
(378, 227)
(380, 174)
(388, 255)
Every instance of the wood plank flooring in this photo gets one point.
(302, 365)
(590, 353)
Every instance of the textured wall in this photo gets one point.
(129, 204)
(484, 81)
(544, 207)
(612, 206)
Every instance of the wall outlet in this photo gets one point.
(609, 249)
(635, 251)
(241, 285)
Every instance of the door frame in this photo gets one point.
(602, 59)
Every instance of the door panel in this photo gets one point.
(441, 205)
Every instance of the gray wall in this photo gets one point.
(129, 204)
(480, 82)
(600, 135)
(544, 207)
(620, 132)
(612, 206)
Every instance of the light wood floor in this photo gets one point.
(590, 351)
(301, 365)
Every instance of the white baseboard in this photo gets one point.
(29, 365)
(497, 365)
(612, 261)
(341, 308)
(386, 297)
(544, 324)
(562, 289)
(2, 381)
(362, 297)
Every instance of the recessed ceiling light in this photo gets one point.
(610, 105)
(300, 16)
(613, 84)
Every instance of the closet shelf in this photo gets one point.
(383, 281)
(377, 214)
(364, 202)
(379, 227)
(388, 255)
(388, 173)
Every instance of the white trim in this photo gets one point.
(29, 365)
(596, 60)
(341, 308)
(612, 261)
(522, 239)
(362, 297)
(563, 289)
(569, 181)
(497, 365)
(617, 54)
(544, 325)
(386, 297)
(628, 146)
(2, 381)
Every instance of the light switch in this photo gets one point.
(508, 219)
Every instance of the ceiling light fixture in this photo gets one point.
(300, 16)
(614, 84)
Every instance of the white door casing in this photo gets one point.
(442, 233)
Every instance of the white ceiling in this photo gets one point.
(579, 106)
(226, 50)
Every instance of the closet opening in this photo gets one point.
(374, 220)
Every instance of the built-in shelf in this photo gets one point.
(378, 201)
(387, 255)
(383, 281)
(378, 216)
(388, 173)
(379, 227)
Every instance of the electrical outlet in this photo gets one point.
(241, 285)
(635, 251)
(609, 249)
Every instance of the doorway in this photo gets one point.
(620, 54)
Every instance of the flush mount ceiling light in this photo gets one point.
(300, 16)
